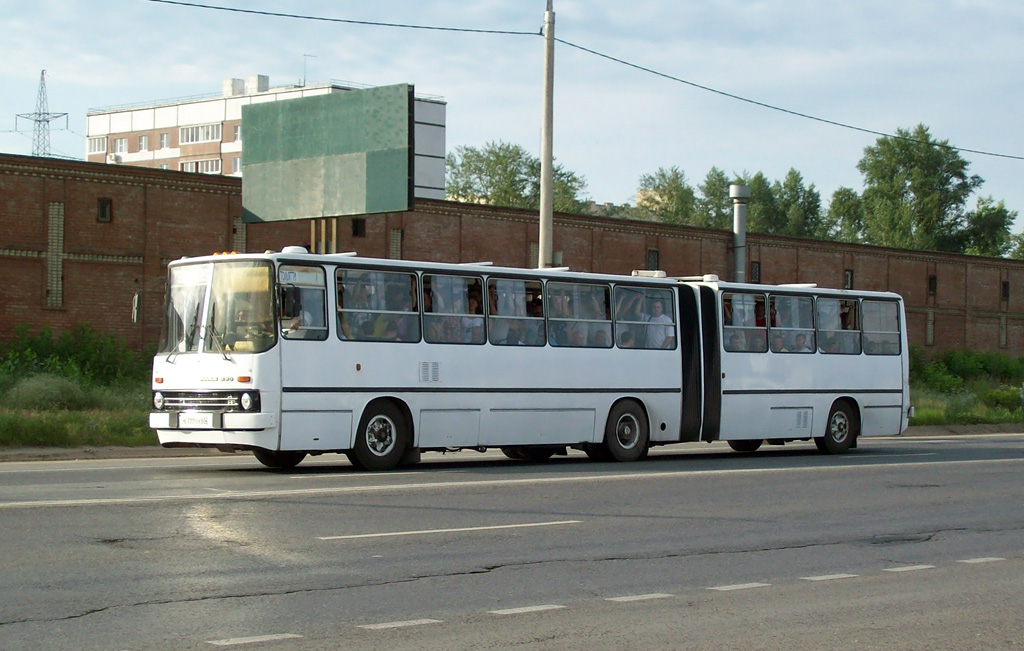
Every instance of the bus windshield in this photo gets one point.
(235, 299)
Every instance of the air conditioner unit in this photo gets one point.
(113, 158)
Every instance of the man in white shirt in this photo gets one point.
(660, 333)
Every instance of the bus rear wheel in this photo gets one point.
(279, 460)
(746, 445)
(382, 438)
(626, 434)
(528, 453)
(840, 431)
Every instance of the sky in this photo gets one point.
(878, 65)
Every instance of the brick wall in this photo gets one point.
(161, 215)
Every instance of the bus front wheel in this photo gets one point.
(382, 438)
(626, 434)
(840, 431)
(279, 460)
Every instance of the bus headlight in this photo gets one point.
(158, 400)
(247, 401)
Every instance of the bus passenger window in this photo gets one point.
(838, 326)
(743, 323)
(303, 302)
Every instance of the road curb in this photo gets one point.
(155, 451)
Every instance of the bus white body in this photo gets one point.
(288, 354)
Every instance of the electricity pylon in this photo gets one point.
(42, 119)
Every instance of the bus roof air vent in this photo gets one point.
(649, 273)
(294, 249)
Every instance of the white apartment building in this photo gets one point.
(203, 134)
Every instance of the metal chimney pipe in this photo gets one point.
(740, 195)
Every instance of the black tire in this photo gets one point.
(514, 452)
(840, 430)
(746, 445)
(354, 460)
(626, 433)
(382, 437)
(528, 452)
(279, 460)
(597, 452)
(536, 453)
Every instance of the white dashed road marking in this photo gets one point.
(457, 530)
(739, 586)
(235, 641)
(909, 568)
(409, 622)
(640, 597)
(526, 609)
(829, 577)
(985, 559)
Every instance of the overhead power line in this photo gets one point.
(371, 23)
(635, 66)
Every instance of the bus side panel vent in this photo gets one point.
(430, 372)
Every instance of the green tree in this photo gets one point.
(988, 229)
(846, 214)
(763, 214)
(799, 208)
(667, 195)
(915, 192)
(713, 208)
(504, 174)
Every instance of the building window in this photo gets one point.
(236, 165)
(929, 327)
(165, 166)
(202, 133)
(1006, 291)
(104, 210)
(933, 284)
(143, 143)
(98, 145)
(1002, 331)
(358, 227)
(755, 272)
(211, 166)
(120, 146)
(848, 279)
(165, 140)
(236, 133)
(653, 260)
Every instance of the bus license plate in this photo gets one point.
(195, 420)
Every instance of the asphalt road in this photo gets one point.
(904, 543)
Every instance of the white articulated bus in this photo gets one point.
(289, 354)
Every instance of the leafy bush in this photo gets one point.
(79, 352)
(47, 392)
(1001, 397)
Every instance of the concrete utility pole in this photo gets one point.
(739, 194)
(547, 195)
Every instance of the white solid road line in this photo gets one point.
(456, 530)
(985, 559)
(526, 609)
(909, 568)
(640, 597)
(254, 640)
(410, 622)
(739, 586)
(829, 577)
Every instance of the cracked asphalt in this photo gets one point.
(179, 551)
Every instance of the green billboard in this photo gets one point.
(342, 153)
